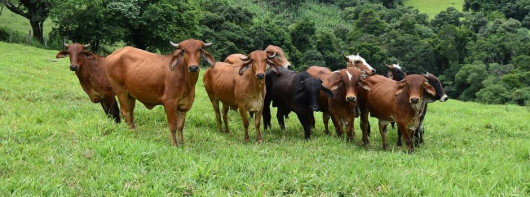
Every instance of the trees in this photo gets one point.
(36, 11)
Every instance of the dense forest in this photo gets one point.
(481, 54)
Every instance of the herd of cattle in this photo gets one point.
(250, 83)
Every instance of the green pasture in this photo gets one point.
(55, 142)
(434, 7)
(19, 24)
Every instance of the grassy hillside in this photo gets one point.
(54, 141)
(433, 7)
(20, 24)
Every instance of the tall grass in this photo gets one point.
(54, 141)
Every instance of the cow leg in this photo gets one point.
(266, 113)
(399, 143)
(257, 121)
(172, 120)
(416, 137)
(383, 129)
(365, 126)
(181, 118)
(407, 136)
(280, 116)
(305, 120)
(215, 104)
(105, 107)
(225, 117)
(114, 109)
(127, 104)
(312, 121)
(325, 119)
(349, 129)
(338, 124)
(243, 113)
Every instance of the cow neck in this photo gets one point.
(256, 84)
(187, 77)
(84, 73)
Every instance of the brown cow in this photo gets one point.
(158, 80)
(271, 50)
(389, 100)
(90, 71)
(341, 107)
(358, 62)
(236, 88)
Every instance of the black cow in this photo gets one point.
(292, 92)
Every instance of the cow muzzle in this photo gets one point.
(444, 98)
(289, 67)
(351, 99)
(74, 67)
(260, 75)
(194, 68)
(414, 100)
(314, 107)
(373, 71)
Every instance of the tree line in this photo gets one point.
(481, 54)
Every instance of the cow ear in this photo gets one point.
(327, 92)
(334, 81)
(62, 54)
(208, 57)
(299, 93)
(429, 89)
(89, 55)
(364, 85)
(244, 67)
(176, 59)
(401, 86)
(274, 68)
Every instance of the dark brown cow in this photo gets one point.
(240, 85)
(341, 106)
(158, 80)
(271, 50)
(90, 71)
(358, 62)
(389, 100)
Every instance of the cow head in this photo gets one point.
(77, 53)
(358, 62)
(416, 85)
(437, 85)
(309, 91)
(259, 62)
(396, 72)
(189, 52)
(349, 78)
(279, 59)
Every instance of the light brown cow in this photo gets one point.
(341, 107)
(389, 100)
(358, 62)
(158, 80)
(90, 71)
(271, 50)
(239, 86)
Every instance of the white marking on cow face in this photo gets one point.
(354, 58)
(396, 66)
(349, 75)
(444, 98)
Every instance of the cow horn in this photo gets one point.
(344, 56)
(174, 45)
(426, 74)
(86, 45)
(65, 45)
(245, 58)
(206, 45)
(272, 56)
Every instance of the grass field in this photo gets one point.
(54, 142)
(20, 24)
(433, 7)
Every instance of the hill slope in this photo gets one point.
(433, 7)
(54, 141)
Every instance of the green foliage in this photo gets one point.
(313, 58)
(302, 34)
(469, 79)
(451, 16)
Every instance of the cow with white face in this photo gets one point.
(359, 63)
